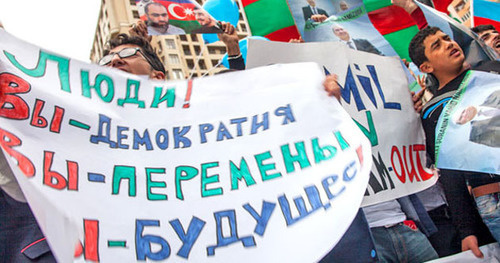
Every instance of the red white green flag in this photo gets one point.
(271, 19)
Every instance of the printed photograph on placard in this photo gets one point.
(345, 21)
(471, 124)
(176, 17)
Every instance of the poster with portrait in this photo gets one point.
(176, 17)
(345, 21)
(468, 131)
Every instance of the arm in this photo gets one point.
(140, 29)
(463, 212)
(415, 12)
(230, 38)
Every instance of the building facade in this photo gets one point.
(460, 10)
(183, 55)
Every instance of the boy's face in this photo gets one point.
(491, 38)
(443, 54)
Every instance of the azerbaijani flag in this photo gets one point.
(486, 13)
(392, 22)
(398, 28)
(180, 13)
(442, 5)
(271, 19)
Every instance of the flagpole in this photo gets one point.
(471, 10)
(196, 63)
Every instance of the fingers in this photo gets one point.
(418, 106)
(477, 252)
(470, 243)
(417, 100)
(318, 18)
(140, 29)
(227, 28)
(418, 96)
(406, 62)
(331, 86)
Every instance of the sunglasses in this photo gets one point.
(124, 53)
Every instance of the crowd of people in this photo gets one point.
(461, 212)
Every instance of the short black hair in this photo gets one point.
(417, 48)
(146, 7)
(142, 43)
(481, 28)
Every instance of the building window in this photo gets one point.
(186, 50)
(183, 37)
(215, 62)
(196, 50)
(174, 59)
(460, 6)
(135, 14)
(202, 64)
(177, 74)
(170, 43)
(211, 50)
(132, 2)
(243, 27)
(190, 63)
(194, 37)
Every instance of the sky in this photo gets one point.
(66, 27)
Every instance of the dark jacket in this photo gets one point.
(308, 12)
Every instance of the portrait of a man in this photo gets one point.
(357, 44)
(484, 121)
(157, 22)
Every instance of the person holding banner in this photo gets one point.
(436, 53)
(133, 55)
(399, 227)
(158, 21)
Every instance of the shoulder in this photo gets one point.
(175, 30)
(361, 40)
(492, 66)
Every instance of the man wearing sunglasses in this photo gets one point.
(158, 21)
(134, 55)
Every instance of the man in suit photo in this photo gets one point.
(311, 10)
(484, 121)
(357, 44)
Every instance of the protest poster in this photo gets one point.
(176, 17)
(375, 94)
(468, 133)
(346, 22)
(250, 166)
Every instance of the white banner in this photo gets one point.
(491, 254)
(375, 93)
(250, 166)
